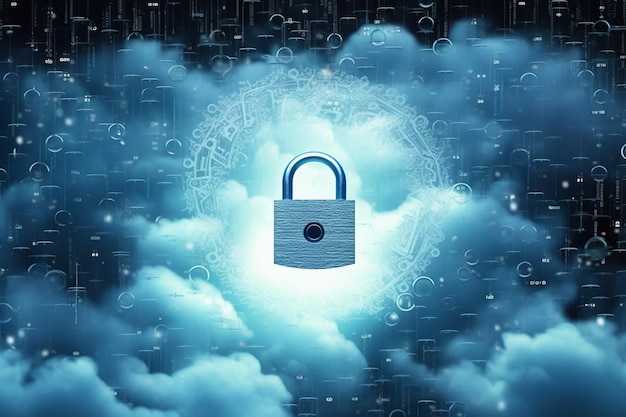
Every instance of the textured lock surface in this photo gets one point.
(336, 247)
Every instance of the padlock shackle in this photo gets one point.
(329, 161)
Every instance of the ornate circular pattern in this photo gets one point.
(225, 144)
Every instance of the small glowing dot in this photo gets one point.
(565, 184)
(496, 327)
(600, 321)
(501, 405)
(10, 340)
(189, 246)
(108, 218)
(513, 206)
(45, 353)
(19, 140)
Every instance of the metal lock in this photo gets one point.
(314, 234)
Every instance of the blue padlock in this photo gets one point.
(314, 234)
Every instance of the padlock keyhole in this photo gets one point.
(313, 232)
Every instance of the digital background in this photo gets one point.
(143, 146)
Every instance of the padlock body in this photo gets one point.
(336, 248)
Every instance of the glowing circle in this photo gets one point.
(6, 313)
(284, 55)
(461, 192)
(601, 96)
(599, 173)
(596, 248)
(524, 269)
(378, 37)
(528, 80)
(392, 319)
(442, 46)
(276, 21)
(423, 286)
(63, 218)
(39, 171)
(55, 279)
(173, 147)
(585, 78)
(520, 157)
(221, 64)
(292, 111)
(457, 410)
(54, 143)
(37, 271)
(177, 73)
(160, 331)
(426, 24)
(405, 302)
(334, 41)
(199, 273)
(126, 300)
(471, 257)
(464, 273)
(117, 131)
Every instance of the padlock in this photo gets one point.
(314, 234)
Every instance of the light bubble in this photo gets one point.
(221, 64)
(461, 192)
(39, 171)
(423, 286)
(392, 319)
(520, 157)
(440, 127)
(585, 78)
(6, 313)
(284, 55)
(276, 21)
(397, 413)
(528, 80)
(55, 279)
(442, 46)
(601, 96)
(173, 147)
(116, 131)
(596, 248)
(334, 41)
(199, 273)
(160, 331)
(177, 73)
(405, 302)
(493, 130)
(471, 257)
(464, 273)
(126, 300)
(457, 410)
(378, 37)
(426, 24)
(63, 218)
(54, 143)
(599, 173)
(524, 269)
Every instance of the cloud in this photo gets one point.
(567, 370)
(60, 387)
(226, 386)
(212, 385)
